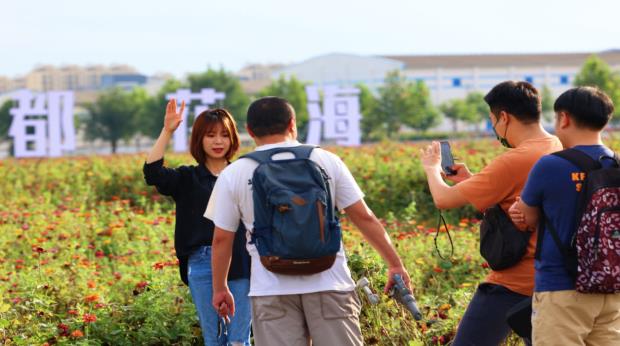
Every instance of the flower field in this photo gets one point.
(87, 258)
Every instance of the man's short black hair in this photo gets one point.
(520, 99)
(588, 106)
(269, 116)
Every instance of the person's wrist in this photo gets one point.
(395, 264)
(166, 131)
(220, 288)
(432, 168)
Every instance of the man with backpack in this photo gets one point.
(515, 111)
(573, 197)
(288, 195)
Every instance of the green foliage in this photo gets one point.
(236, 101)
(472, 110)
(152, 113)
(547, 103)
(5, 119)
(112, 117)
(85, 236)
(368, 105)
(596, 72)
(401, 102)
(480, 109)
(294, 91)
(456, 110)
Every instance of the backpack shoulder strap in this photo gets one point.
(259, 156)
(262, 156)
(579, 159)
(302, 151)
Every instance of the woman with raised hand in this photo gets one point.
(214, 141)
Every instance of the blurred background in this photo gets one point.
(422, 67)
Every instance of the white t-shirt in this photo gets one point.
(231, 201)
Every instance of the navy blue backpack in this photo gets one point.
(296, 230)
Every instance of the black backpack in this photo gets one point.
(502, 244)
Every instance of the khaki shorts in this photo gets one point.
(319, 319)
(572, 318)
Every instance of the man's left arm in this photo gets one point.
(364, 219)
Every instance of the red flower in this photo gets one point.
(72, 312)
(92, 298)
(89, 318)
(99, 254)
(63, 329)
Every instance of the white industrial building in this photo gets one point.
(448, 76)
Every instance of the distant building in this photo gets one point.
(73, 77)
(125, 81)
(454, 76)
(448, 76)
(255, 77)
(342, 69)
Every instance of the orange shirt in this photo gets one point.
(500, 183)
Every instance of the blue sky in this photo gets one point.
(187, 36)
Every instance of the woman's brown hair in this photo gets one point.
(204, 123)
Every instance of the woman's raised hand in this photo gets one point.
(173, 118)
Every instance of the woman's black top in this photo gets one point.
(191, 187)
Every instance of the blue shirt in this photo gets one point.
(553, 185)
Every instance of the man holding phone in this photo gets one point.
(515, 112)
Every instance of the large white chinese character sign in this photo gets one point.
(42, 123)
(340, 117)
(206, 97)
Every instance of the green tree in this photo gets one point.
(456, 110)
(236, 101)
(113, 116)
(5, 120)
(547, 103)
(478, 107)
(596, 72)
(370, 123)
(401, 102)
(152, 113)
(294, 91)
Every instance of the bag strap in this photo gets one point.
(262, 156)
(579, 159)
(441, 220)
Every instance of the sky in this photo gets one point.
(184, 36)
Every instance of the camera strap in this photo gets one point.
(440, 221)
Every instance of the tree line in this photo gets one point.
(118, 115)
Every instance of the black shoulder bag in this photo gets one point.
(502, 244)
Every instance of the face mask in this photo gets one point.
(502, 140)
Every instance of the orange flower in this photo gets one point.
(91, 284)
(77, 333)
(89, 318)
(92, 298)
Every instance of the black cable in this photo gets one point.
(441, 220)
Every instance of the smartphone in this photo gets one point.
(447, 160)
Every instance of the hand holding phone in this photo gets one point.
(447, 160)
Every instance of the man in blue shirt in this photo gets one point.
(560, 314)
